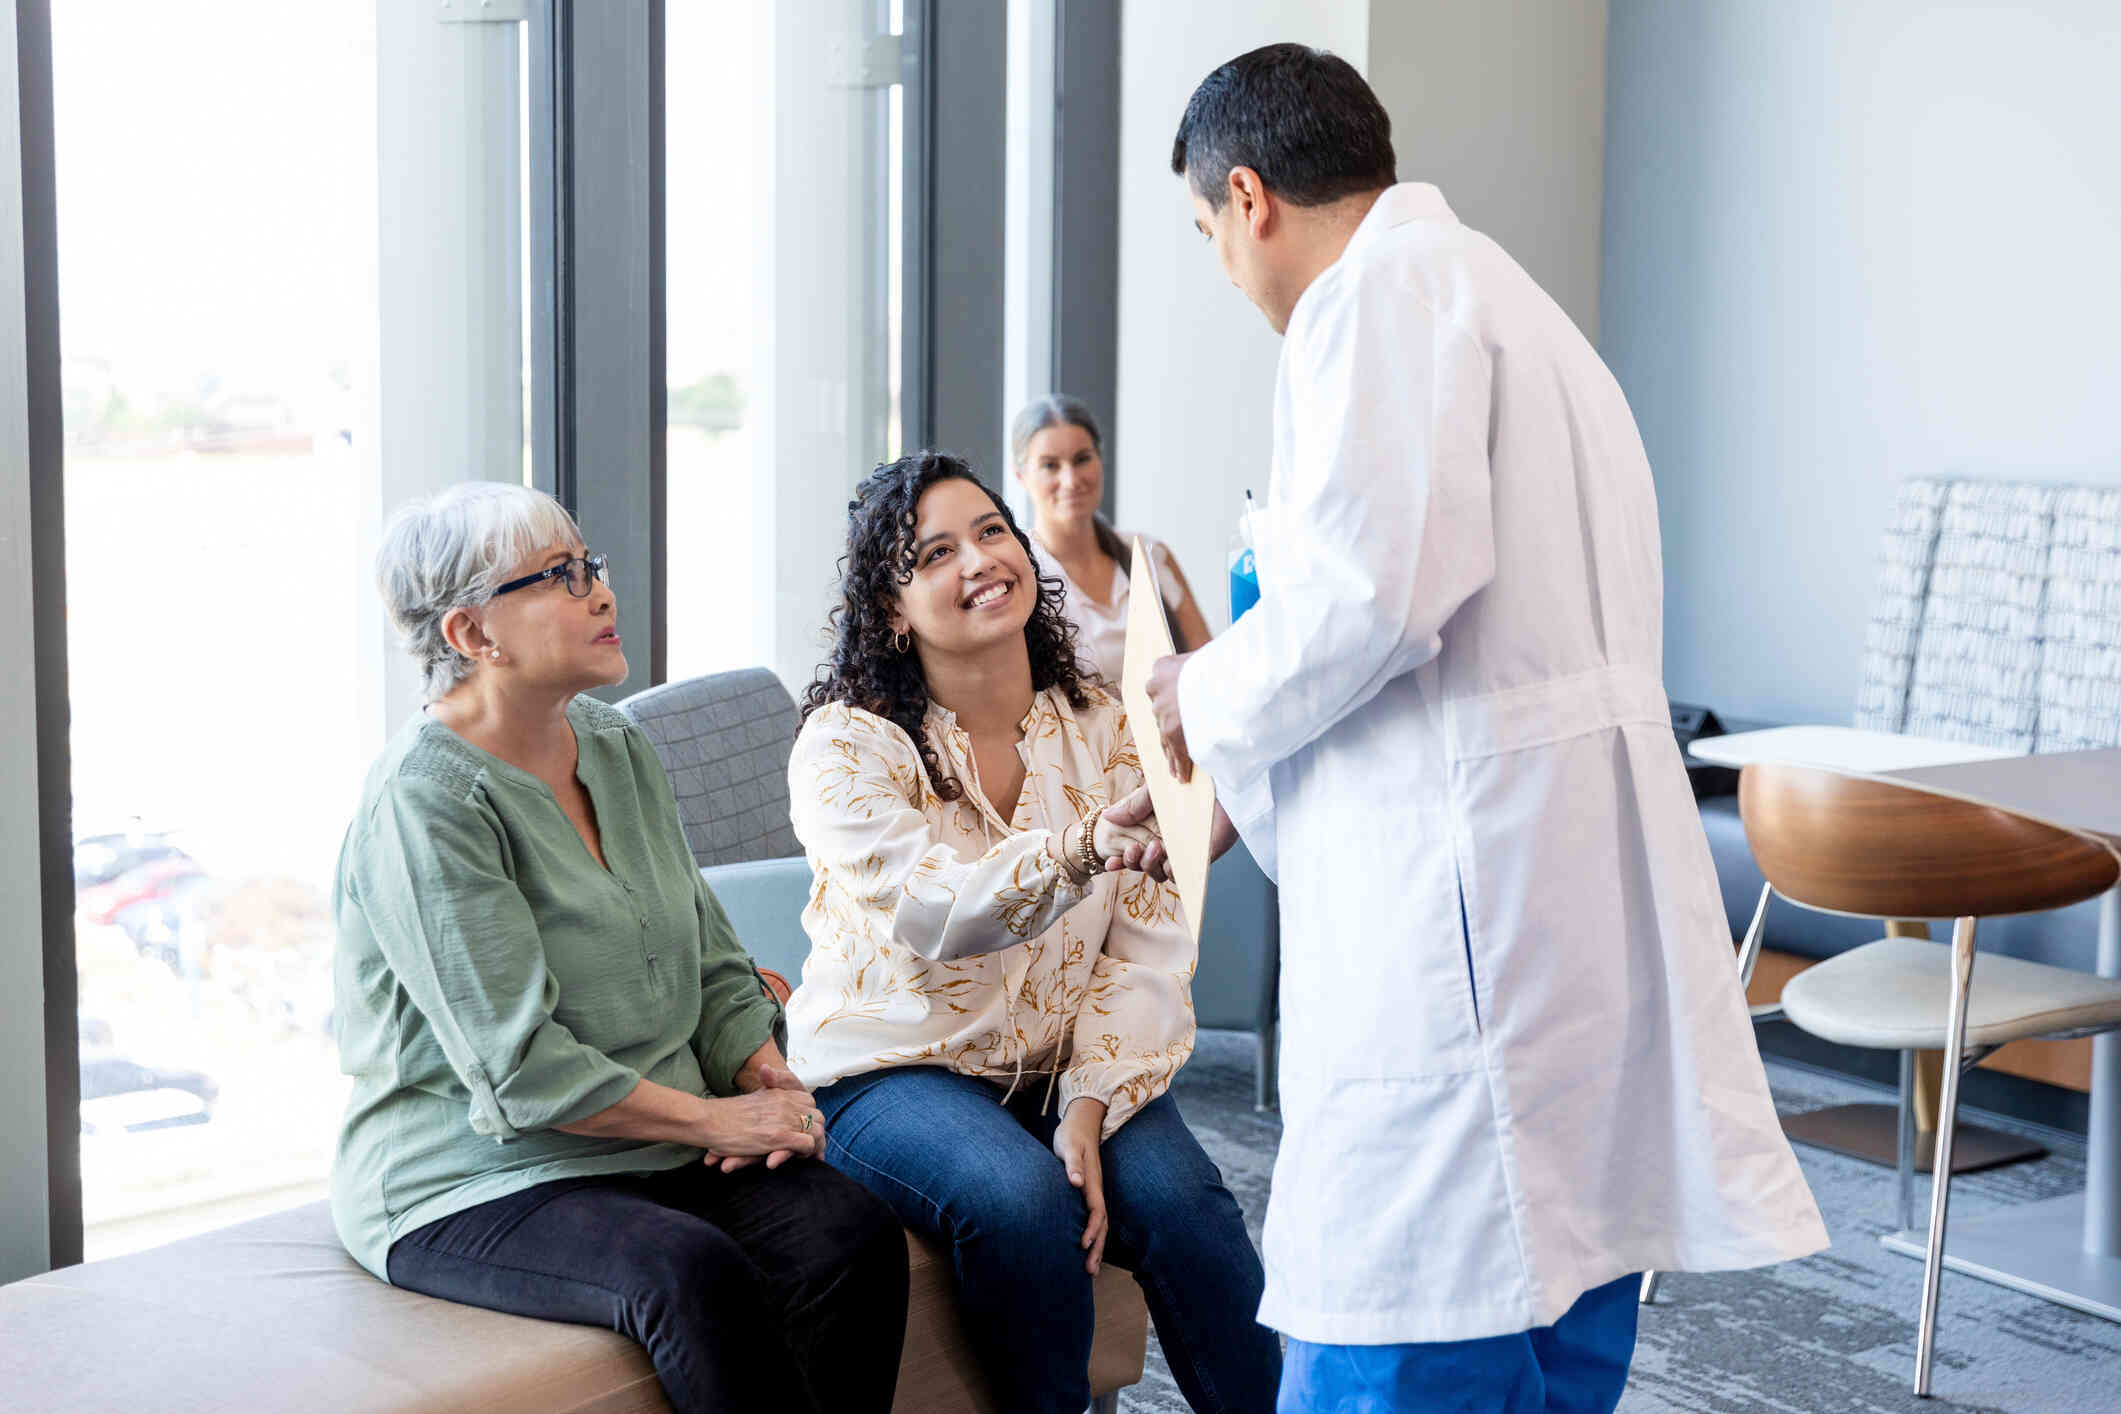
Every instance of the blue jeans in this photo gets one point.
(1578, 1365)
(980, 1178)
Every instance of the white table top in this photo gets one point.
(2077, 790)
(1837, 749)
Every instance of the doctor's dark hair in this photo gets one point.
(866, 668)
(1300, 117)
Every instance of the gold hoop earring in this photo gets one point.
(900, 641)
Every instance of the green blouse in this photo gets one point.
(493, 980)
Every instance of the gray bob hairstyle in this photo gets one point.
(451, 551)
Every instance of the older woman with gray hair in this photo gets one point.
(1060, 459)
(569, 1099)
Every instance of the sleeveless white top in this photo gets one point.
(1101, 628)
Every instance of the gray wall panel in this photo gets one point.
(1086, 211)
(40, 1191)
(967, 156)
(1502, 106)
(617, 394)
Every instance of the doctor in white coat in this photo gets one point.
(1517, 1068)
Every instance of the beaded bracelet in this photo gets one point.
(1086, 854)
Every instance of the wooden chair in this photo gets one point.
(1870, 848)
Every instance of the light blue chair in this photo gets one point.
(725, 740)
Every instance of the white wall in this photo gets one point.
(1196, 360)
(1846, 245)
(1501, 104)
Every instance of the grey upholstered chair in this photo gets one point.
(725, 741)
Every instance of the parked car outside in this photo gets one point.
(100, 858)
(120, 1096)
(102, 903)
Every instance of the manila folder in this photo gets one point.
(1185, 812)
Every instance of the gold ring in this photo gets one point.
(807, 1117)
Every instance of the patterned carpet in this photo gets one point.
(1833, 1334)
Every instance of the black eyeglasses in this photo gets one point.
(577, 572)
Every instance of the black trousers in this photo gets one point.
(757, 1290)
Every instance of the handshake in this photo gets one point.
(1126, 836)
(1126, 833)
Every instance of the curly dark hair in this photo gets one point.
(866, 669)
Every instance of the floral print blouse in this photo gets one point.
(943, 934)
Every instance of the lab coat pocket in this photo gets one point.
(1404, 1180)
(1393, 997)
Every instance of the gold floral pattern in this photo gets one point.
(943, 935)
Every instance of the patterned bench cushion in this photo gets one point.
(1908, 548)
(1976, 671)
(2080, 668)
(1998, 617)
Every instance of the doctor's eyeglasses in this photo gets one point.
(577, 572)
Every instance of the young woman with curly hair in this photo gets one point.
(993, 1007)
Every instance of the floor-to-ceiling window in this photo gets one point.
(249, 386)
(286, 305)
(216, 223)
(786, 139)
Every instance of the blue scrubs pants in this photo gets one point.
(1578, 1365)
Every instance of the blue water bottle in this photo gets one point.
(1244, 565)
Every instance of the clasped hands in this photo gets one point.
(772, 1117)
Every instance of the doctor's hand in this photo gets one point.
(1136, 807)
(1163, 695)
(1075, 1144)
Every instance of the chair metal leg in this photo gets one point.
(1755, 934)
(1264, 1090)
(1105, 1404)
(1907, 1142)
(1648, 1295)
(1941, 1160)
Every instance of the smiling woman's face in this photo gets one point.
(973, 586)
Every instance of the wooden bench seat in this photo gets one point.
(273, 1315)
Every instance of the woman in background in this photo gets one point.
(1060, 459)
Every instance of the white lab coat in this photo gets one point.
(1452, 688)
